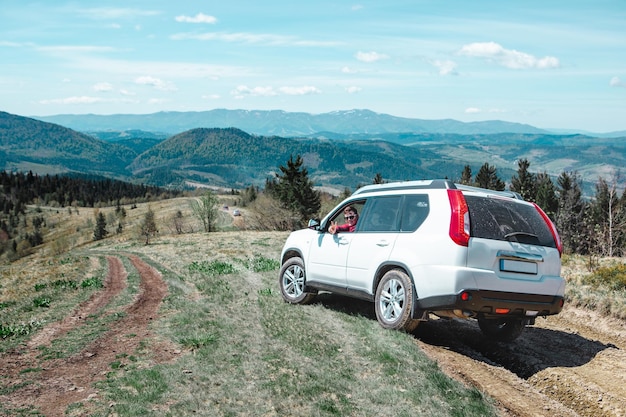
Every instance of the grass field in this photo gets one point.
(223, 344)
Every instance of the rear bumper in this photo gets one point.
(486, 303)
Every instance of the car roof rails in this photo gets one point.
(407, 185)
(509, 194)
(433, 184)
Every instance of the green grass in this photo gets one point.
(241, 350)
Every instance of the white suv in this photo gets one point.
(424, 247)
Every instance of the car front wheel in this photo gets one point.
(394, 301)
(292, 280)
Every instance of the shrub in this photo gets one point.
(212, 268)
(92, 282)
(613, 277)
(42, 302)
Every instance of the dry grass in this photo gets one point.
(584, 289)
(243, 351)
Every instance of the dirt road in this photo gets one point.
(573, 364)
(64, 381)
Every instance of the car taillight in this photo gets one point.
(552, 227)
(459, 220)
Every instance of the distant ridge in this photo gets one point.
(282, 123)
(234, 158)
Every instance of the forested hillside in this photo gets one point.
(234, 158)
(231, 157)
(25, 142)
(63, 192)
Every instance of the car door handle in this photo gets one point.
(382, 243)
(343, 241)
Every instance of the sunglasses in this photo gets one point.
(350, 217)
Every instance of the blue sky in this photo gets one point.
(546, 63)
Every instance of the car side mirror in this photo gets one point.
(314, 224)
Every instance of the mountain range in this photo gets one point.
(340, 149)
(282, 123)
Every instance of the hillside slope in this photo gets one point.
(231, 156)
(27, 143)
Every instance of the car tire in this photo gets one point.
(292, 281)
(394, 301)
(501, 330)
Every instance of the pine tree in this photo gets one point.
(571, 214)
(546, 197)
(100, 232)
(487, 177)
(295, 190)
(466, 175)
(524, 182)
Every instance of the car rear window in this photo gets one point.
(508, 220)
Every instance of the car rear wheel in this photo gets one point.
(394, 301)
(292, 280)
(501, 330)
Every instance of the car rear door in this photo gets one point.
(513, 246)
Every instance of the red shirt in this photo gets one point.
(346, 227)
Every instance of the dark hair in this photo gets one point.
(350, 208)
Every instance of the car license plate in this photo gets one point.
(508, 265)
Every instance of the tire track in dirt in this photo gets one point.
(65, 381)
(114, 283)
(573, 364)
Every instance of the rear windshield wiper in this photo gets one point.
(515, 234)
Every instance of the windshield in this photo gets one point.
(506, 219)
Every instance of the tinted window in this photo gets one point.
(381, 215)
(414, 211)
(504, 219)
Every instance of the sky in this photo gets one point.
(550, 64)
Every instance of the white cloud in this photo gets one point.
(10, 44)
(73, 100)
(253, 38)
(299, 91)
(102, 87)
(63, 49)
(126, 92)
(370, 56)
(198, 18)
(211, 96)
(156, 83)
(348, 70)
(353, 89)
(116, 13)
(509, 58)
(476, 110)
(617, 82)
(445, 67)
(243, 90)
(85, 100)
